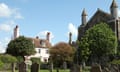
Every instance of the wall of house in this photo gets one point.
(42, 53)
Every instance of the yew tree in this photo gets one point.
(20, 46)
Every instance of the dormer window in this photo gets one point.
(42, 43)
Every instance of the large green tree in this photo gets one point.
(20, 47)
(83, 52)
(101, 41)
(61, 52)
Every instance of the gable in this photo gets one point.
(41, 43)
(99, 16)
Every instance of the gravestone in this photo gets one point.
(64, 65)
(13, 67)
(34, 67)
(51, 67)
(76, 68)
(22, 67)
(96, 68)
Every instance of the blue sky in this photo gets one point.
(36, 17)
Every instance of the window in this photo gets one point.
(39, 51)
(47, 51)
(42, 43)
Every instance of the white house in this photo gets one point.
(41, 45)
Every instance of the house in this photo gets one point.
(41, 45)
(112, 19)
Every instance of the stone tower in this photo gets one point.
(84, 17)
(114, 9)
(16, 32)
(112, 19)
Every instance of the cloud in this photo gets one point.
(72, 29)
(7, 12)
(119, 12)
(43, 34)
(3, 44)
(7, 26)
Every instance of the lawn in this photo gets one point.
(54, 71)
(86, 70)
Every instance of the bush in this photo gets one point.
(116, 62)
(7, 58)
(1, 63)
(36, 60)
(6, 61)
(20, 59)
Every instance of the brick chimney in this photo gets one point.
(16, 32)
(70, 38)
(48, 36)
(37, 37)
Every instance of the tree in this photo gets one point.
(102, 41)
(20, 47)
(83, 52)
(61, 52)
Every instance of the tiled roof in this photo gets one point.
(41, 43)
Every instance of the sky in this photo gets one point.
(37, 17)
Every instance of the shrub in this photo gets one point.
(7, 58)
(36, 60)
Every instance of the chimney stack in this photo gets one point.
(48, 36)
(37, 37)
(70, 38)
(16, 32)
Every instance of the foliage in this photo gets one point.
(36, 60)
(118, 49)
(1, 63)
(101, 41)
(20, 59)
(83, 50)
(8, 58)
(116, 62)
(61, 52)
(20, 47)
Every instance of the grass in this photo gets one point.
(87, 69)
(54, 70)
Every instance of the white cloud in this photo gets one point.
(119, 12)
(18, 16)
(72, 29)
(3, 44)
(7, 12)
(7, 26)
(43, 34)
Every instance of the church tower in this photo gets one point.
(84, 17)
(16, 32)
(114, 9)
